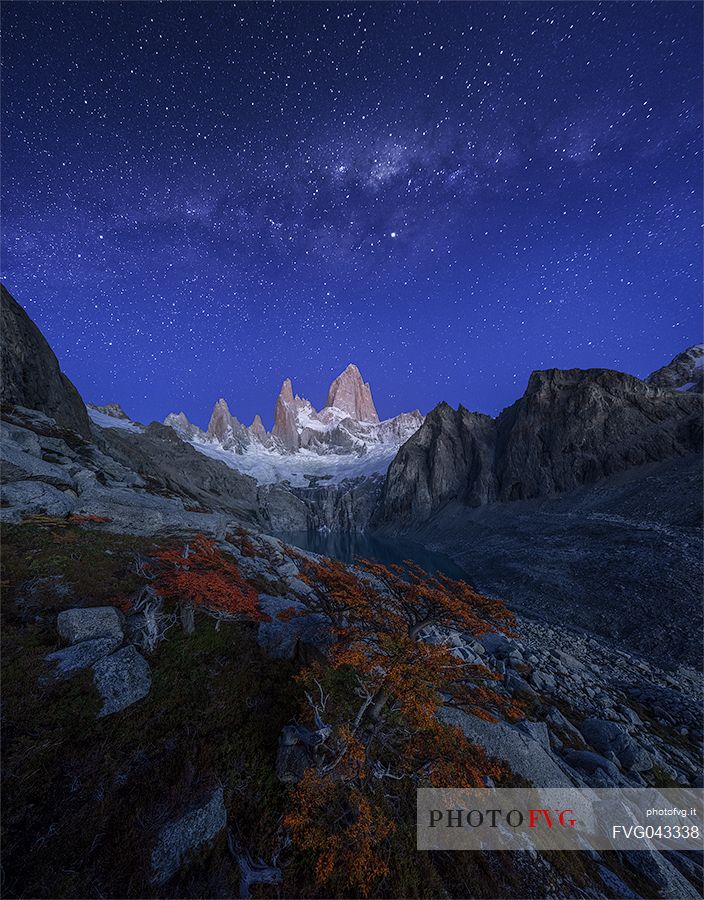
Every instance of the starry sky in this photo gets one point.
(201, 199)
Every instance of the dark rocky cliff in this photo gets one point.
(31, 376)
(571, 427)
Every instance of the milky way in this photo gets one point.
(201, 199)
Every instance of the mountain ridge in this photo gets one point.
(570, 427)
(346, 430)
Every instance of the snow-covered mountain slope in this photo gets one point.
(112, 416)
(302, 468)
(684, 373)
(345, 439)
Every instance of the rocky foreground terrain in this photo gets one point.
(144, 761)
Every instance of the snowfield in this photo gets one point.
(106, 421)
(272, 466)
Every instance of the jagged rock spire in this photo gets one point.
(352, 395)
(285, 425)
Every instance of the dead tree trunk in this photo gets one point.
(187, 618)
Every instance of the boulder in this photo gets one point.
(177, 840)
(94, 622)
(122, 679)
(610, 737)
(69, 660)
(591, 762)
(280, 639)
(496, 644)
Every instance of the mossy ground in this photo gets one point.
(84, 798)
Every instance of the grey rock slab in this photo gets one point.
(525, 755)
(122, 679)
(93, 622)
(20, 465)
(69, 660)
(538, 731)
(177, 840)
(35, 497)
(23, 437)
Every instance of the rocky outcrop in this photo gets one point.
(29, 371)
(345, 507)
(285, 417)
(122, 679)
(352, 395)
(570, 428)
(226, 429)
(172, 466)
(177, 840)
(82, 624)
(684, 373)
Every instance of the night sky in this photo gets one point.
(200, 199)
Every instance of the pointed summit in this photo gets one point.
(257, 426)
(286, 392)
(352, 395)
(225, 428)
(285, 428)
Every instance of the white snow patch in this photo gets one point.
(271, 466)
(105, 421)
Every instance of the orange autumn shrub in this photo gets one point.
(200, 575)
(342, 829)
(373, 707)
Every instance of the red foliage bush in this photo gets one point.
(200, 575)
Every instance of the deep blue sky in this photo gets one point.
(200, 199)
